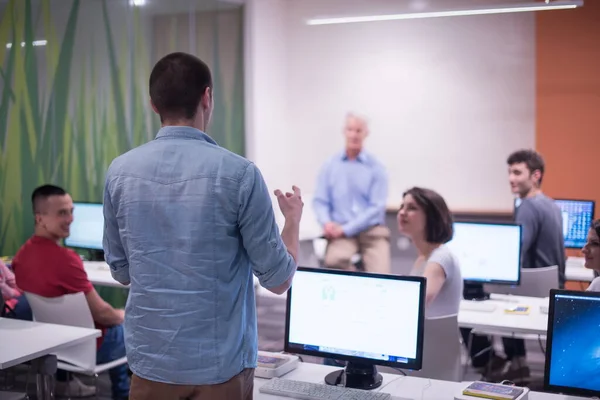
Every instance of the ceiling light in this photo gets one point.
(529, 7)
(137, 3)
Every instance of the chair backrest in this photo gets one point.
(535, 282)
(71, 310)
(441, 350)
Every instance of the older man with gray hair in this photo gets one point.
(350, 203)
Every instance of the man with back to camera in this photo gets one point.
(45, 268)
(187, 223)
(350, 202)
(542, 245)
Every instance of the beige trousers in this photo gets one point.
(240, 387)
(373, 245)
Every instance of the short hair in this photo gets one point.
(531, 158)
(177, 83)
(439, 226)
(596, 226)
(44, 192)
(362, 118)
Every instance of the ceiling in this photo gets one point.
(152, 6)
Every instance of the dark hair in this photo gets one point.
(177, 83)
(42, 193)
(438, 219)
(531, 158)
(596, 226)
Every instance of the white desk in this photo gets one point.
(98, 273)
(575, 270)
(398, 386)
(578, 274)
(22, 341)
(535, 322)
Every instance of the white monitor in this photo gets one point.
(488, 252)
(366, 319)
(87, 228)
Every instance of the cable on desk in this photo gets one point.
(541, 345)
(399, 370)
(390, 382)
(425, 388)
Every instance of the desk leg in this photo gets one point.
(44, 368)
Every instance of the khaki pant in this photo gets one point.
(240, 387)
(373, 245)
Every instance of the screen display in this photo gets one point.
(355, 315)
(487, 252)
(577, 216)
(87, 228)
(574, 347)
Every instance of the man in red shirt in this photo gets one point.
(43, 267)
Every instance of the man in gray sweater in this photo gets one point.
(542, 245)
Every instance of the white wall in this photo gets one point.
(448, 99)
(268, 142)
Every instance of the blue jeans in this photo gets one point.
(22, 309)
(113, 348)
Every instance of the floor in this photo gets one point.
(271, 322)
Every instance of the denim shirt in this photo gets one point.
(187, 223)
(352, 193)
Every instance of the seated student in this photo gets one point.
(43, 267)
(591, 253)
(425, 218)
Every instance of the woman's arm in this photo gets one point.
(436, 277)
(8, 284)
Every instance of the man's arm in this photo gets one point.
(322, 200)
(376, 208)
(272, 256)
(102, 312)
(527, 217)
(114, 253)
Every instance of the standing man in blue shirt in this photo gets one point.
(350, 204)
(187, 223)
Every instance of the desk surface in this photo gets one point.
(98, 273)
(535, 322)
(575, 271)
(400, 387)
(22, 341)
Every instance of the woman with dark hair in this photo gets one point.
(425, 218)
(591, 252)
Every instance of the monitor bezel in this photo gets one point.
(593, 216)
(66, 240)
(498, 282)
(417, 364)
(549, 335)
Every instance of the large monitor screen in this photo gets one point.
(87, 228)
(573, 343)
(488, 252)
(577, 218)
(356, 316)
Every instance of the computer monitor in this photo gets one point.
(577, 218)
(364, 319)
(487, 252)
(572, 350)
(87, 228)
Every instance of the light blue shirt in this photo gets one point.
(352, 193)
(187, 223)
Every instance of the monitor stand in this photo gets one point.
(356, 376)
(474, 291)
